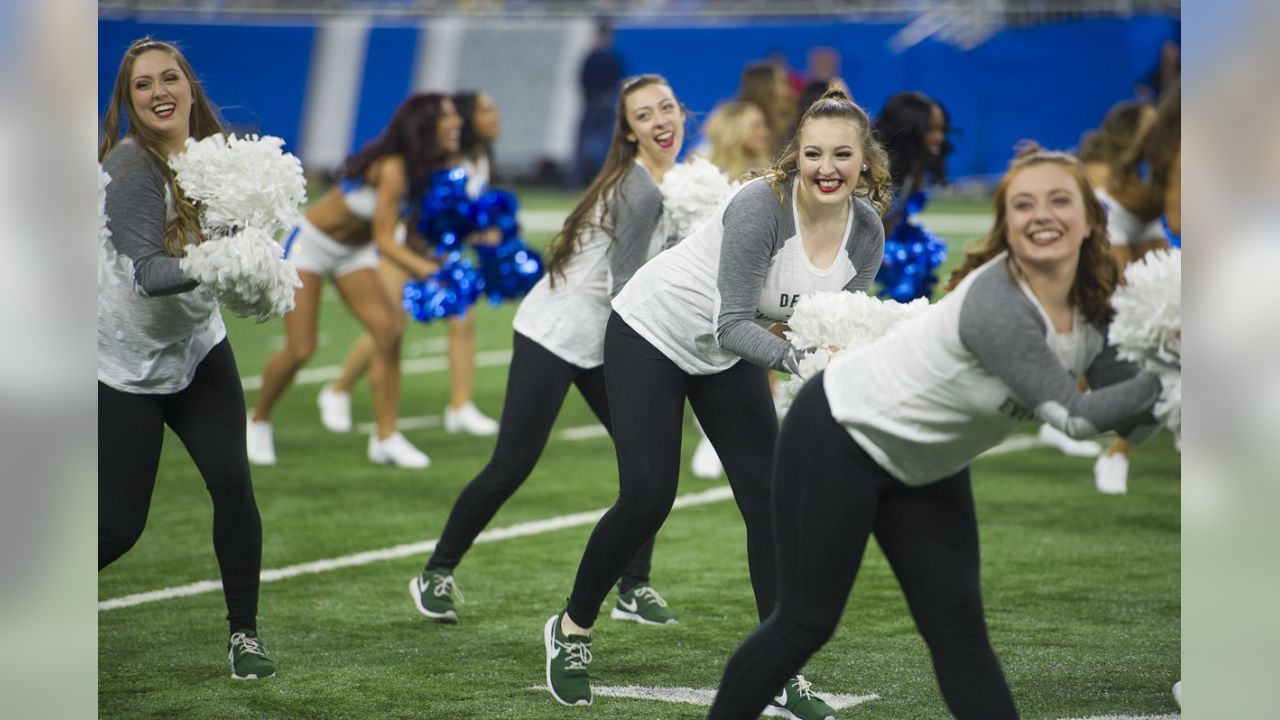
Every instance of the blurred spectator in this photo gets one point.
(602, 70)
(823, 63)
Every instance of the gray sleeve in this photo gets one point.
(635, 209)
(1108, 369)
(752, 226)
(1004, 330)
(135, 208)
(866, 246)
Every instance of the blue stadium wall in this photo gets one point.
(1049, 82)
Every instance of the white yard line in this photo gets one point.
(699, 696)
(412, 366)
(536, 527)
(704, 697)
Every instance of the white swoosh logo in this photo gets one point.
(781, 698)
(422, 587)
(632, 607)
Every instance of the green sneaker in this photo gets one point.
(249, 659)
(644, 605)
(433, 592)
(797, 701)
(567, 660)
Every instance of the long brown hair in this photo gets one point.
(1117, 133)
(1097, 272)
(875, 184)
(621, 157)
(1155, 150)
(759, 84)
(411, 134)
(185, 228)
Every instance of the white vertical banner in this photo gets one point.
(436, 67)
(566, 97)
(333, 91)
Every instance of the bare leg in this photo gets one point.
(369, 301)
(299, 345)
(358, 359)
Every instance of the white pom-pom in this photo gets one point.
(692, 192)
(241, 181)
(245, 272)
(840, 320)
(1147, 327)
(845, 320)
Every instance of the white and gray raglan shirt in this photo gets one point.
(707, 302)
(946, 386)
(569, 318)
(155, 324)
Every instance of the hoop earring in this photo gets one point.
(864, 167)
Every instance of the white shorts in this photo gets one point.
(311, 250)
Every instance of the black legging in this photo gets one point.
(208, 417)
(647, 393)
(829, 497)
(537, 382)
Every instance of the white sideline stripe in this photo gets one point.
(553, 220)
(699, 696)
(415, 366)
(419, 422)
(584, 432)
(535, 527)
(1175, 716)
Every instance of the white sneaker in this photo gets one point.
(1177, 693)
(470, 420)
(259, 442)
(1111, 474)
(1053, 437)
(395, 450)
(706, 463)
(335, 410)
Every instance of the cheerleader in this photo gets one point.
(480, 128)
(765, 85)
(679, 329)
(1137, 222)
(738, 143)
(913, 128)
(341, 237)
(163, 353)
(881, 442)
(559, 340)
(738, 140)
(1099, 150)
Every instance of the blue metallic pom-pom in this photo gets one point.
(510, 269)
(912, 256)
